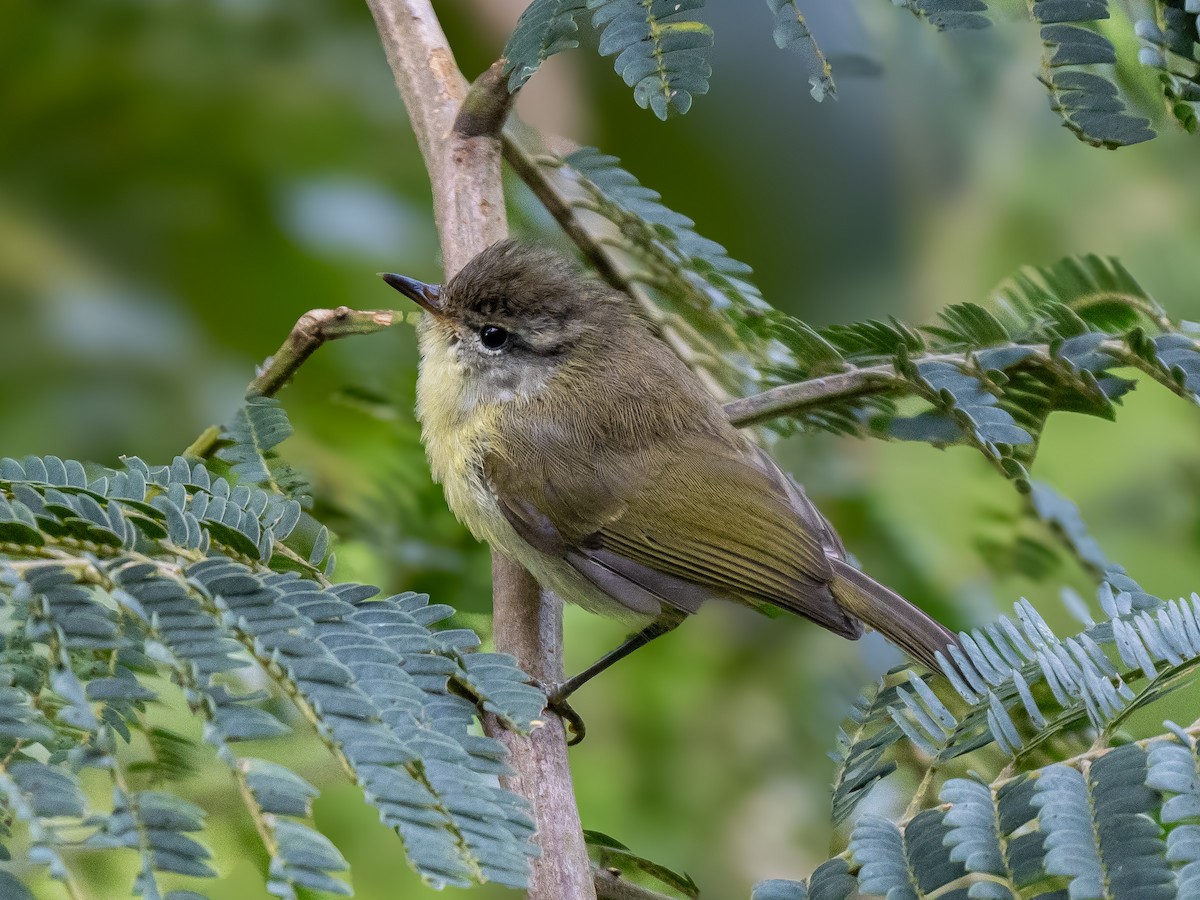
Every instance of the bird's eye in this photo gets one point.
(493, 337)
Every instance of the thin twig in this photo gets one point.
(790, 399)
(312, 330)
(535, 166)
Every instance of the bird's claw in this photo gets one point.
(556, 702)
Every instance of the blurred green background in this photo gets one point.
(180, 181)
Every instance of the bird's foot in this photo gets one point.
(556, 702)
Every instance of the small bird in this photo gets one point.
(570, 438)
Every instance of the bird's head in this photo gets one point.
(514, 316)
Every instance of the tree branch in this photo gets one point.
(789, 399)
(458, 136)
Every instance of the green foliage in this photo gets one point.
(1094, 822)
(1174, 771)
(831, 881)
(112, 579)
(1088, 828)
(1052, 339)
(249, 443)
(949, 14)
(1172, 45)
(660, 55)
(1089, 103)
(156, 826)
(658, 50)
(700, 298)
(792, 34)
(862, 741)
(545, 28)
(1108, 799)
(1048, 528)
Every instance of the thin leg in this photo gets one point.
(557, 694)
(655, 629)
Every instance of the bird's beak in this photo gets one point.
(428, 296)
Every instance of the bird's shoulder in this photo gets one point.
(636, 393)
(607, 431)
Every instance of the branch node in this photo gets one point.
(486, 105)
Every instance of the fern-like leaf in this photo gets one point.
(1171, 45)
(909, 864)
(1098, 831)
(863, 741)
(830, 881)
(658, 50)
(948, 15)
(792, 34)
(252, 437)
(701, 298)
(1088, 103)
(545, 28)
(1087, 827)
(1174, 771)
(170, 571)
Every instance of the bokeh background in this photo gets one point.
(180, 181)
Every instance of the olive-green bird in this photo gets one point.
(571, 438)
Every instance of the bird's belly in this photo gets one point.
(470, 499)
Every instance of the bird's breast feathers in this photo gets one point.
(458, 431)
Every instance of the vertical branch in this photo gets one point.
(464, 168)
(457, 131)
(528, 624)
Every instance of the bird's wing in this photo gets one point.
(680, 526)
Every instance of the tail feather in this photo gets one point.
(906, 626)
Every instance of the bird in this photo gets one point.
(568, 436)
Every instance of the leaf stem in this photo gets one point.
(202, 447)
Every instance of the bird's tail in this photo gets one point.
(906, 626)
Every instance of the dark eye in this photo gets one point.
(493, 337)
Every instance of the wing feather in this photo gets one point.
(674, 522)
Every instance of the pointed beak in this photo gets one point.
(428, 296)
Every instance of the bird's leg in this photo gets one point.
(655, 629)
(557, 694)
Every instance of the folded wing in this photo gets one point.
(682, 528)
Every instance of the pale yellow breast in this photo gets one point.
(455, 430)
(455, 433)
